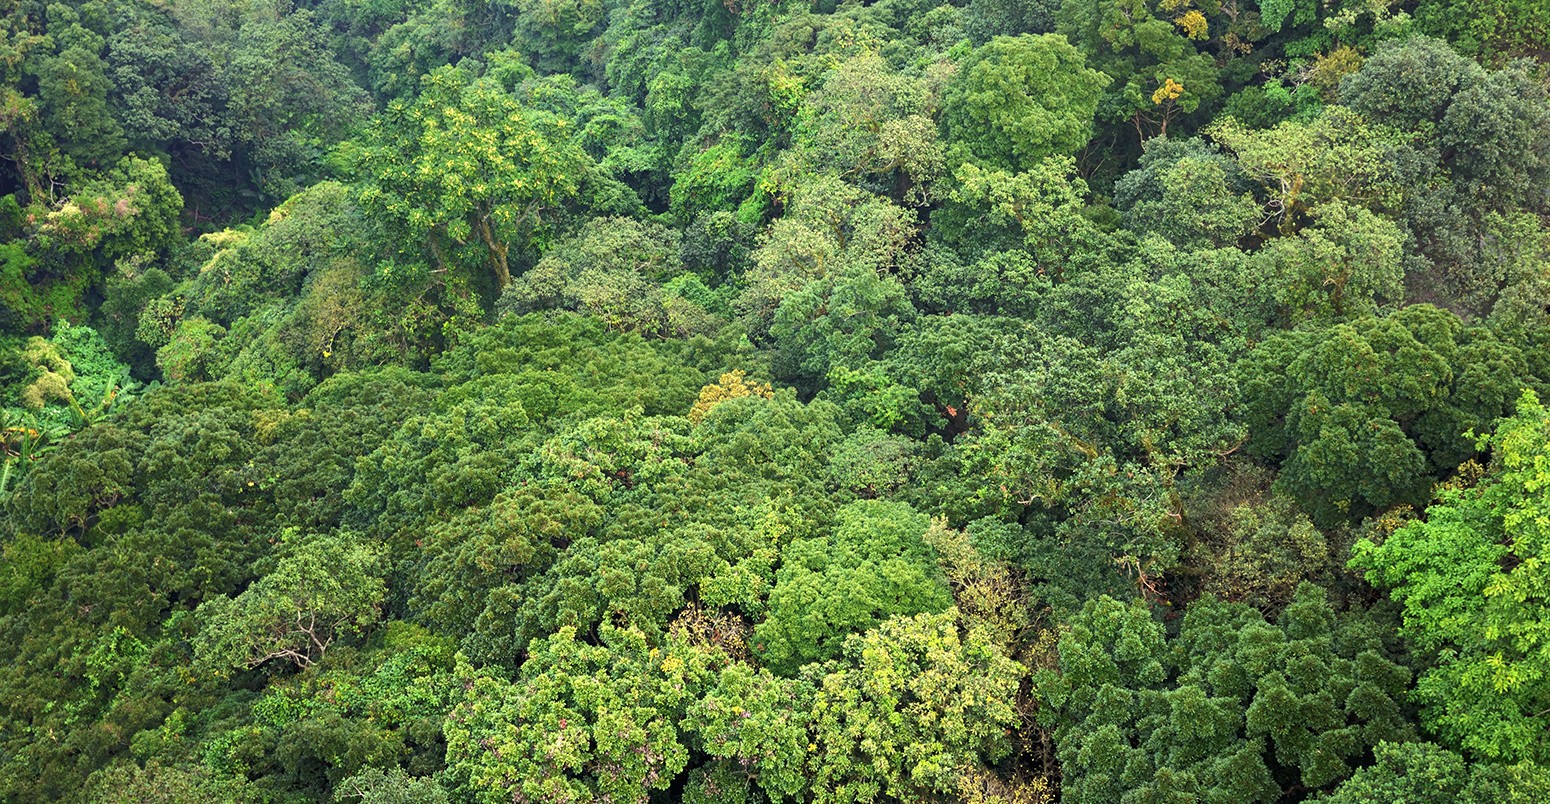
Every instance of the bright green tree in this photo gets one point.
(1424, 773)
(873, 126)
(1303, 164)
(1470, 578)
(872, 566)
(583, 723)
(911, 711)
(1187, 192)
(466, 165)
(1347, 262)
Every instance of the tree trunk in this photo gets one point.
(497, 252)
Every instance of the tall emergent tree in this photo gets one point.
(466, 165)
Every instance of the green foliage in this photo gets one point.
(1496, 133)
(167, 784)
(1253, 545)
(1302, 165)
(1156, 56)
(1038, 210)
(1466, 577)
(52, 388)
(984, 19)
(1347, 262)
(1409, 83)
(582, 722)
(871, 463)
(919, 707)
(359, 722)
(717, 178)
(1364, 413)
(832, 231)
(616, 271)
(126, 213)
(1423, 772)
(874, 126)
(556, 31)
(1187, 192)
(322, 589)
(1497, 29)
(1078, 441)
(872, 566)
(376, 786)
(754, 402)
(467, 167)
(74, 92)
(477, 552)
(194, 352)
(1019, 100)
(288, 99)
(838, 323)
(1234, 709)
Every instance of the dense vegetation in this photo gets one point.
(985, 401)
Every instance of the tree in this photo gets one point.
(1019, 100)
(756, 726)
(1252, 545)
(1302, 165)
(830, 229)
(288, 100)
(871, 463)
(1424, 773)
(555, 32)
(872, 566)
(1497, 135)
(615, 271)
(469, 558)
(465, 164)
(1365, 414)
(376, 786)
(1409, 83)
(1233, 709)
(873, 126)
(156, 783)
(1079, 441)
(1187, 192)
(912, 711)
(1469, 577)
(169, 94)
(74, 90)
(1152, 52)
(323, 589)
(984, 19)
(1494, 30)
(1346, 263)
(125, 214)
(582, 723)
(1476, 144)
(1038, 210)
(838, 322)
(130, 211)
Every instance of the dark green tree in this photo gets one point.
(1233, 709)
